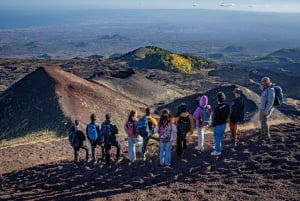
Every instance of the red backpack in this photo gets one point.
(131, 129)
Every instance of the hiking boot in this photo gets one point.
(199, 148)
(168, 166)
(78, 163)
(215, 153)
(119, 159)
(231, 145)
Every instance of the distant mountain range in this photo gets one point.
(292, 55)
(288, 59)
(112, 37)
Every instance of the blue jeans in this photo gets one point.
(218, 136)
(165, 153)
(131, 147)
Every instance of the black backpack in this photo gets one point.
(183, 124)
(279, 98)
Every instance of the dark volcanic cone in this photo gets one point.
(48, 98)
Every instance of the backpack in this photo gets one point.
(278, 96)
(105, 130)
(205, 117)
(142, 127)
(130, 129)
(164, 133)
(183, 124)
(72, 138)
(92, 131)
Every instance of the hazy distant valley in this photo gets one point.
(223, 35)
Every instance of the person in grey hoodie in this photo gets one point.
(266, 103)
(203, 104)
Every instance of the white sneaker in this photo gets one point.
(214, 153)
(199, 148)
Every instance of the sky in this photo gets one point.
(247, 5)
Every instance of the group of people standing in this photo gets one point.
(140, 129)
(103, 136)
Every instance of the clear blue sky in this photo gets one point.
(249, 5)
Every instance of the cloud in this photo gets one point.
(227, 4)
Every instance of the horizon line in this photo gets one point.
(136, 9)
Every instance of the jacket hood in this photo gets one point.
(203, 101)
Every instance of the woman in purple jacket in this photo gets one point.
(202, 116)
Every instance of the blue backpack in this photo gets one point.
(105, 130)
(92, 131)
(142, 127)
(278, 96)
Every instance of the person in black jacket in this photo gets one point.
(185, 124)
(110, 139)
(220, 116)
(236, 115)
(78, 141)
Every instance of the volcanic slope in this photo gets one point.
(48, 98)
(139, 87)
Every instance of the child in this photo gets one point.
(93, 134)
(167, 133)
(236, 115)
(221, 114)
(202, 116)
(109, 132)
(151, 123)
(133, 136)
(185, 124)
(77, 141)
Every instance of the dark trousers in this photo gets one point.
(145, 143)
(94, 146)
(180, 143)
(108, 148)
(76, 152)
